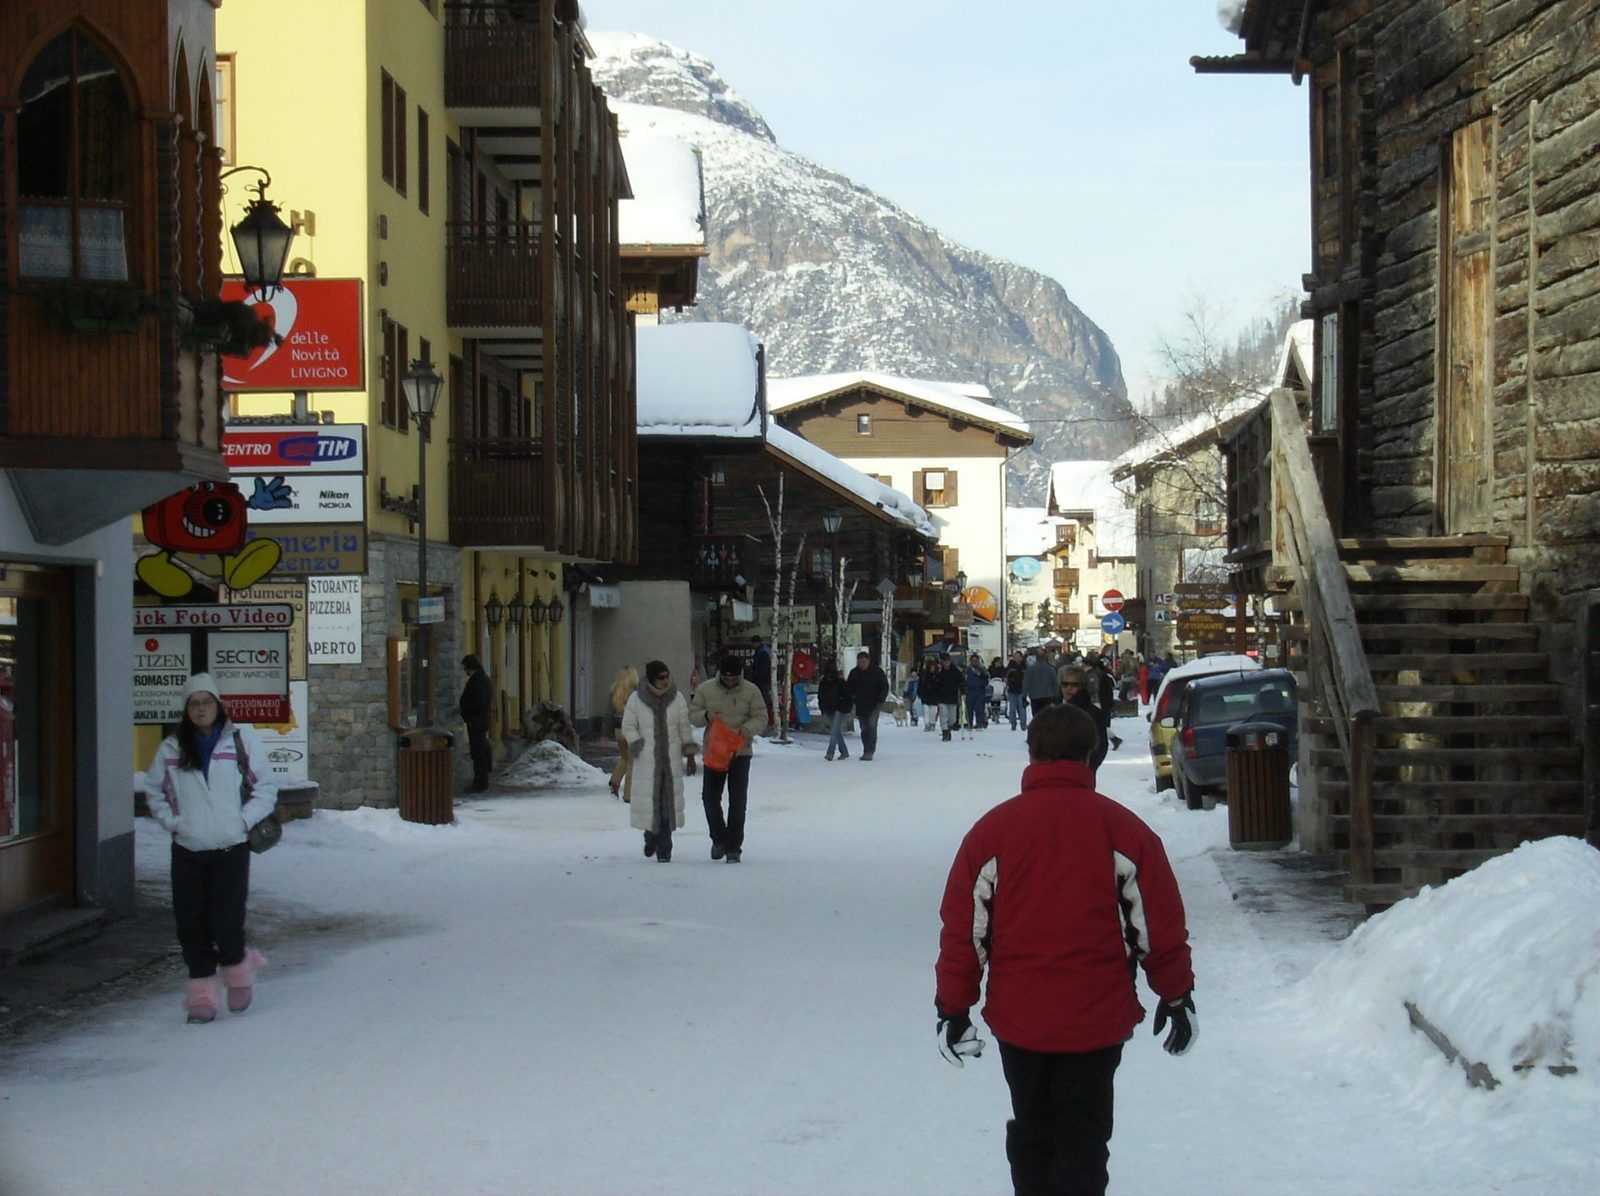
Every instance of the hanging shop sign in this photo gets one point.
(985, 606)
(162, 666)
(305, 498)
(333, 632)
(317, 549)
(288, 744)
(295, 448)
(320, 345)
(213, 617)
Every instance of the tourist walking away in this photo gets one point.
(833, 699)
(477, 700)
(1039, 684)
(977, 684)
(655, 722)
(1016, 703)
(207, 786)
(913, 702)
(622, 688)
(737, 704)
(1055, 893)
(950, 685)
(868, 688)
(931, 670)
(761, 675)
(1075, 683)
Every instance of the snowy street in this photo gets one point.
(524, 1003)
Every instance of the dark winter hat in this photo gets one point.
(655, 670)
(731, 666)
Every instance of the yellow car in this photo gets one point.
(1162, 724)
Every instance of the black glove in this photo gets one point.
(957, 1037)
(1185, 1023)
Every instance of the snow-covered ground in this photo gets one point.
(523, 1003)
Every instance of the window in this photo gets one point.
(935, 487)
(396, 347)
(822, 562)
(1207, 517)
(386, 118)
(1328, 375)
(863, 425)
(225, 108)
(75, 142)
(422, 160)
(1094, 604)
(402, 168)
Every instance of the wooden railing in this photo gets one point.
(491, 55)
(1065, 579)
(497, 493)
(492, 274)
(1303, 541)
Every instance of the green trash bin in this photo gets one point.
(427, 776)
(1259, 816)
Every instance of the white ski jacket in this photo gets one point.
(203, 810)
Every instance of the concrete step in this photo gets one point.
(44, 928)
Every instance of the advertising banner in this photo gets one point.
(271, 449)
(288, 744)
(293, 595)
(316, 549)
(213, 617)
(319, 321)
(334, 604)
(305, 498)
(251, 669)
(162, 665)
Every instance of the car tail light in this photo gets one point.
(1187, 739)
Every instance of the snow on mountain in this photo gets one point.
(834, 278)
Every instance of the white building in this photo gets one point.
(1098, 551)
(1031, 537)
(944, 444)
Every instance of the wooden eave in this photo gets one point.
(1003, 433)
(1275, 33)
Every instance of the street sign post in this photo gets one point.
(1113, 624)
(1112, 600)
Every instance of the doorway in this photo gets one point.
(37, 827)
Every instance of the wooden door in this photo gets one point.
(1464, 451)
(36, 737)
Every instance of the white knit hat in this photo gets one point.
(200, 683)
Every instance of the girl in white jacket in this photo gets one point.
(197, 788)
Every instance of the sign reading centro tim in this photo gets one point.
(320, 322)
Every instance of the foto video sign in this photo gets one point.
(319, 321)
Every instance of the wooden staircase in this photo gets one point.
(1469, 754)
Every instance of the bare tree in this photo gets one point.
(842, 594)
(782, 608)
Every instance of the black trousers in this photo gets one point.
(482, 753)
(730, 833)
(1057, 1142)
(209, 889)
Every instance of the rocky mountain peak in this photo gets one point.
(647, 70)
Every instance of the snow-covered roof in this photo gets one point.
(1029, 531)
(1297, 358)
(699, 380)
(1191, 434)
(1083, 490)
(894, 503)
(668, 204)
(967, 399)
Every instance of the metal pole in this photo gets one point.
(423, 629)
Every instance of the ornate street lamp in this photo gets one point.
(514, 611)
(537, 610)
(261, 238)
(422, 385)
(832, 521)
(493, 610)
(557, 609)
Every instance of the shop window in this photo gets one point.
(75, 141)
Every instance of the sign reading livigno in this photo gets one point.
(318, 321)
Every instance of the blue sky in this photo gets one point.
(1070, 136)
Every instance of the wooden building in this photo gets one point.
(1453, 463)
(109, 206)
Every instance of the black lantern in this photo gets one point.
(832, 521)
(537, 610)
(961, 582)
(422, 385)
(557, 609)
(514, 611)
(261, 239)
(493, 609)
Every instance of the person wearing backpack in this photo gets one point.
(208, 785)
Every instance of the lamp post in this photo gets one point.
(422, 386)
(261, 238)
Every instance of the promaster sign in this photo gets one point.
(319, 320)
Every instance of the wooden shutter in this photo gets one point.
(391, 375)
(402, 168)
(1467, 353)
(386, 118)
(422, 160)
(949, 487)
(918, 492)
(402, 365)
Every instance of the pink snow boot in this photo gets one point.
(240, 978)
(200, 1000)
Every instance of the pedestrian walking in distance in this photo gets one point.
(833, 699)
(655, 723)
(761, 674)
(1039, 684)
(622, 688)
(868, 688)
(1016, 702)
(728, 697)
(208, 785)
(1055, 894)
(477, 700)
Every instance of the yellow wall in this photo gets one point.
(308, 110)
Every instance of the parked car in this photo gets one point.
(1166, 704)
(1211, 705)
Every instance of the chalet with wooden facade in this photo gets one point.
(108, 202)
(467, 170)
(943, 443)
(1439, 528)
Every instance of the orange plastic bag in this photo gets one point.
(722, 745)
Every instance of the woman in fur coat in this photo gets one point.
(655, 723)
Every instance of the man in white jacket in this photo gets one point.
(209, 784)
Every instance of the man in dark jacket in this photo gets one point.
(477, 700)
(1039, 684)
(1075, 691)
(761, 673)
(868, 688)
(1055, 893)
(947, 686)
(1016, 703)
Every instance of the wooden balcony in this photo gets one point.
(491, 60)
(492, 274)
(497, 492)
(1067, 620)
(1066, 580)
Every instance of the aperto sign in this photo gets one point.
(319, 321)
(308, 448)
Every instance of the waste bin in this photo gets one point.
(427, 778)
(1258, 787)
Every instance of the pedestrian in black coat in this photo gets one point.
(477, 701)
(1075, 692)
(868, 688)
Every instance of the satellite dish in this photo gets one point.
(1026, 568)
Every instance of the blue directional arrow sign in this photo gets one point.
(1113, 623)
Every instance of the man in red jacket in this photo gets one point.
(1058, 893)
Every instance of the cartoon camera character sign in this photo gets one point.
(208, 522)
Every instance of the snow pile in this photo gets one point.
(667, 207)
(698, 380)
(1504, 961)
(548, 765)
(1230, 14)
